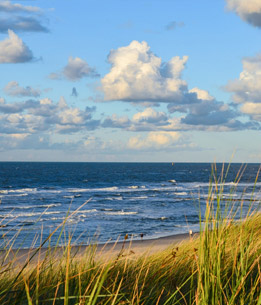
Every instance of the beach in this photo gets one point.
(103, 251)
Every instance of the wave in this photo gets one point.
(138, 198)
(113, 198)
(172, 181)
(120, 213)
(87, 211)
(23, 190)
(104, 189)
(26, 207)
(20, 195)
(181, 193)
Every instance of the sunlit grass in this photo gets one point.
(220, 265)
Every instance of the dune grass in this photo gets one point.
(219, 266)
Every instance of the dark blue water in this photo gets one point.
(156, 199)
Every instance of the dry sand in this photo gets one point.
(102, 251)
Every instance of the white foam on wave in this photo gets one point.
(50, 213)
(3, 192)
(23, 207)
(23, 190)
(20, 195)
(34, 214)
(87, 211)
(133, 187)
(113, 198)
(138, 198)
(50, 191)
(181, 193)
(172, 181)
(104, 189)
(120, 213)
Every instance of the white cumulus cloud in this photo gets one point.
(138, 75)
(246, 89)
(14, 50)
(248, 10)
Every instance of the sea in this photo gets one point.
(100, 202)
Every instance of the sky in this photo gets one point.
(130, 80)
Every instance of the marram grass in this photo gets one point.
(222, 265)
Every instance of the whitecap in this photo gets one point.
(181, 193)
(24, 190)
(121, 213)
(113, 198)
(87, 211)
(172, 181)
(104, 189)
(139, 197)
(20, 195)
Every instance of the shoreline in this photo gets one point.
(101, 250)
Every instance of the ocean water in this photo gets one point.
(155, 199)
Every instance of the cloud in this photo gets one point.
(21, 24)
(13, 89)
(149, 115)
(208, 115)
(246, 90)
(13, 50)
(75, 69)
(173, 25)
(34, 116)
(248, 10)
(7, 6)
(20, 18)
(74, 92)
(137, 75)
(252, 109)
(147, 120)
(158, 140)
(201, 94)
(116, 122)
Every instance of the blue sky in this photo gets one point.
(166, 81)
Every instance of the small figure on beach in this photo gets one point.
(141, 236)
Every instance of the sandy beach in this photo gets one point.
(102, 250)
